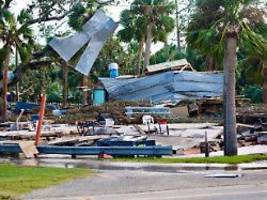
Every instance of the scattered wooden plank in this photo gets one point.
(61, 141)
(25, 134)
(139, 129)
(28, 148)
(245, 125)
(75, 140)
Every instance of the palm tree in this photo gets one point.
(260, 28)
(201, 20)
(147, 21)
(134, 26)
(231, 30)
(65, 84)
(264, 95)
(13, 36)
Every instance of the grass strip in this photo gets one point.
(17, 180)
(217, 159)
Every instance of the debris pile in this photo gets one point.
(116, 109)
(166, 87)
(252, 134)
(252, 114)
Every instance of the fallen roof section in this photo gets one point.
(166, 87)
(95, 32)
(172, 65)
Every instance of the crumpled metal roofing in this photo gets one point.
(95, 32)
(167, 87)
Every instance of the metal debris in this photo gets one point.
(167, 87)
(95, 32)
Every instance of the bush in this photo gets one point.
(254, 93)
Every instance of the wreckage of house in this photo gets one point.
(166, 83)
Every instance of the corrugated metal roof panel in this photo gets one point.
(166, 87)
(94, 34)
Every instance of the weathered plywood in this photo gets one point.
(28, 148)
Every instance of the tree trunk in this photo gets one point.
(65, 85)
(5, 83)
(17, 85)
(17, 92)
(264, 95)
(210, 63)
(178, 33)
(230, 61)
(85, 90)
(139, 58)
(148, 46)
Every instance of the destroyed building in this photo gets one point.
(166, 83)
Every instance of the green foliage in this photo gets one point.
(54, 93)
(76, 19)
(24, 16)
(207, 32)
(135, 20)
(81, 12)
(196, 59)
(143, 14)
(254, 93)
(33, 83)
(168, 53)
(74, 81)
(113, 51)
(15, 34)
(250, 69)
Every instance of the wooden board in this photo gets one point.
(60, 141)
(139, 129)
(24, 134)
(78, 139)
(28, 148)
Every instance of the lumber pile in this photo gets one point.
(115, 108)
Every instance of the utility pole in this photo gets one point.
(178, 34)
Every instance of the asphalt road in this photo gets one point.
(245, 192)
(144, 185)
